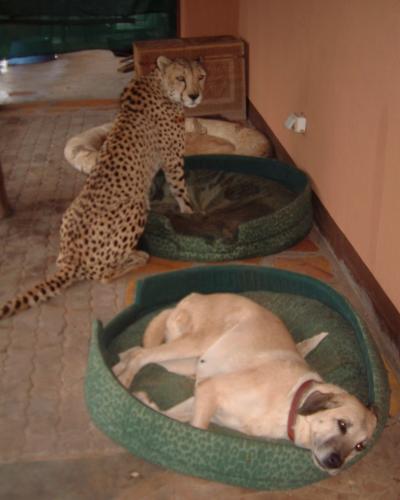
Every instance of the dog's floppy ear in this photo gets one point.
(318, 401)
(373, 409)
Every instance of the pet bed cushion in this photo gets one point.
(244, 207)
(203, 136)
(346, 357)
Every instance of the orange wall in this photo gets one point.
(209, 17)
(338, 61)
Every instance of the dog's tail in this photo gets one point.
(307, 345)
(62, 278)
(156, 330)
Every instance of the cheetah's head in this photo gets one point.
(182, 80)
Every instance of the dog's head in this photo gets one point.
(339, 425)
(183, 81)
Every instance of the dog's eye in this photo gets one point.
(180, 78)
(359, 447)
(342, 426)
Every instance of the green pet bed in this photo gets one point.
(244, 207)
(347, 357)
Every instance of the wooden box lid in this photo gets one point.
(146, 52)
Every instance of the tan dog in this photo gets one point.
(251, 376)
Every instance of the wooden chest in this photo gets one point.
(223, 59)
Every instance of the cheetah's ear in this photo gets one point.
(162, 63)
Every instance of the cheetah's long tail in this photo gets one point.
(61, 279)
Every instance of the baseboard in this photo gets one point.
(60, 105)
(258, 121)
(344, 251)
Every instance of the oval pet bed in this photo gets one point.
(203, 136)
(244, 207)
(347, 357)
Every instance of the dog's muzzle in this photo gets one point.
(331, 463)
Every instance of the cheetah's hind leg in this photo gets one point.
(136, 259)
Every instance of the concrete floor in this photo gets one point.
(49, 449)
(90, 74)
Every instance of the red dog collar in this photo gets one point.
(295, 406)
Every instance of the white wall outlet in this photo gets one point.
(300, 124)
(296, 122)
(290, 121)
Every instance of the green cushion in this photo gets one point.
(274, 211)
(347, 357)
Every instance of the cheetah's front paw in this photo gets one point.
(184, 205)
(187, 210)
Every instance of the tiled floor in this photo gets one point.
(49, 449)
(90, 74)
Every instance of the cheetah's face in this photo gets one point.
(183, 81)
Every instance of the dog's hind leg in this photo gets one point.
(186, 347)
(187, 366)
(156, 330)
(205, 404)
(167, 326)
(182, 411)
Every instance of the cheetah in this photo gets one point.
(101, 228)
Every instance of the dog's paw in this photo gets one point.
(127, 375)
(130, 353)
(144, 398)
(128, 366)
(124, 358)
(119, 368)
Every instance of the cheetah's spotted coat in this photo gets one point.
(101, 228)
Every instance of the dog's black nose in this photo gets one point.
(333, 461)
(193, 96)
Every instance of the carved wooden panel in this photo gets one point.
(223, 59)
